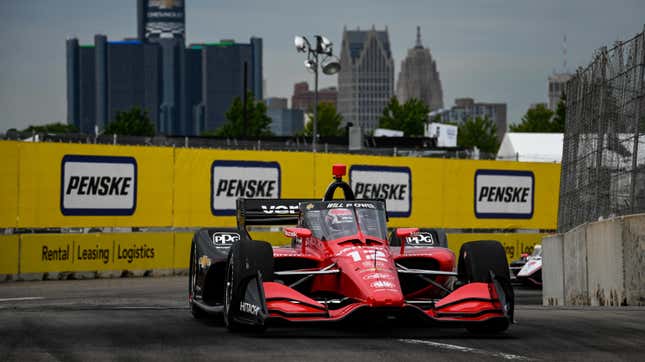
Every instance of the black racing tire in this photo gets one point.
(196, 311)
(245, 259)
(477, 259)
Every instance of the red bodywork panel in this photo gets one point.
(368, 280)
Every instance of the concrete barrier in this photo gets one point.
(634, 259)
(553, 270)
(576, 286)
(603, 264)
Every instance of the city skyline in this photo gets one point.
(501, 51)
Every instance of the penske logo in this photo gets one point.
(394, 184)
(231, 180)
(98, 185)
(504, 194)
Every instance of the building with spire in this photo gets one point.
(366, 78)
(419, 77)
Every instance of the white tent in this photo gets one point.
(531, 147)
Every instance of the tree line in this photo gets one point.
(410, 117)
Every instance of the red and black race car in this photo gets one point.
(340, 265)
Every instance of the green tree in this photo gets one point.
(410, 117)
(328, 121)
(538, 119)
(258, 123)
(480, 133)
(52, 128)
(134, 122)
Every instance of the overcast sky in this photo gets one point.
(490, 50)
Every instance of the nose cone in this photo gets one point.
(374, 281)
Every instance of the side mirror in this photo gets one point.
(403, 234)
(297, 233)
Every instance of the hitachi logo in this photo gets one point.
(507, 194)
(380, 191)
(99, 185)
(246, 188)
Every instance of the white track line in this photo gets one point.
(20, 299)
(452, 347)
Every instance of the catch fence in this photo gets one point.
(603, 160)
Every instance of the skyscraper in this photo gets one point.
(219, 69)
(366, 78)
(111, 76)
(419, 77)
(164, 22)
(557, 83)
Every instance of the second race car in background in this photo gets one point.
(528, 269)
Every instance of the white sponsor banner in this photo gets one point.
(231, 180)
(394, 184)
(98, 185)
(503, 194)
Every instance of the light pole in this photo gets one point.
(323, 47)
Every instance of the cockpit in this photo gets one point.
(329, 220)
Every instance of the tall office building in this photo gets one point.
(366, 78)
(164, 22)
(303, 97)
(111, 76)
(419, 77)
(219, 68)
(161, 19)
(465, 108)
(557, 83)
(185, 90)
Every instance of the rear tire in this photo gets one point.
(477, 259)
(246, 259)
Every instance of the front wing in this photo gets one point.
(474, 302)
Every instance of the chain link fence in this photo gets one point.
(376, 146)
(603, 160)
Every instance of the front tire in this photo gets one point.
(480, 262)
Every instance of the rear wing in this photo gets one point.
(268, 211)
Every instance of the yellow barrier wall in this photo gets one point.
(9, 184)
(9, 254)
(93, 252)
(193, 169)
(175, 187)
(41, 253)
(40, 185)
(182, 249)
(514, 244)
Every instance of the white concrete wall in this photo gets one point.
(576, 288)
(553, 270)
(603, 264)
(634, 259)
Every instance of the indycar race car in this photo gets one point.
(530, 272)
(340, 265)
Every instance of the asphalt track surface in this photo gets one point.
(147, 319)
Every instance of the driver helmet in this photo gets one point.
(338, 219)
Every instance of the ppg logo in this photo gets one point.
(421, 238)
(225, 238)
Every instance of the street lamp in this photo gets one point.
(329, 66)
